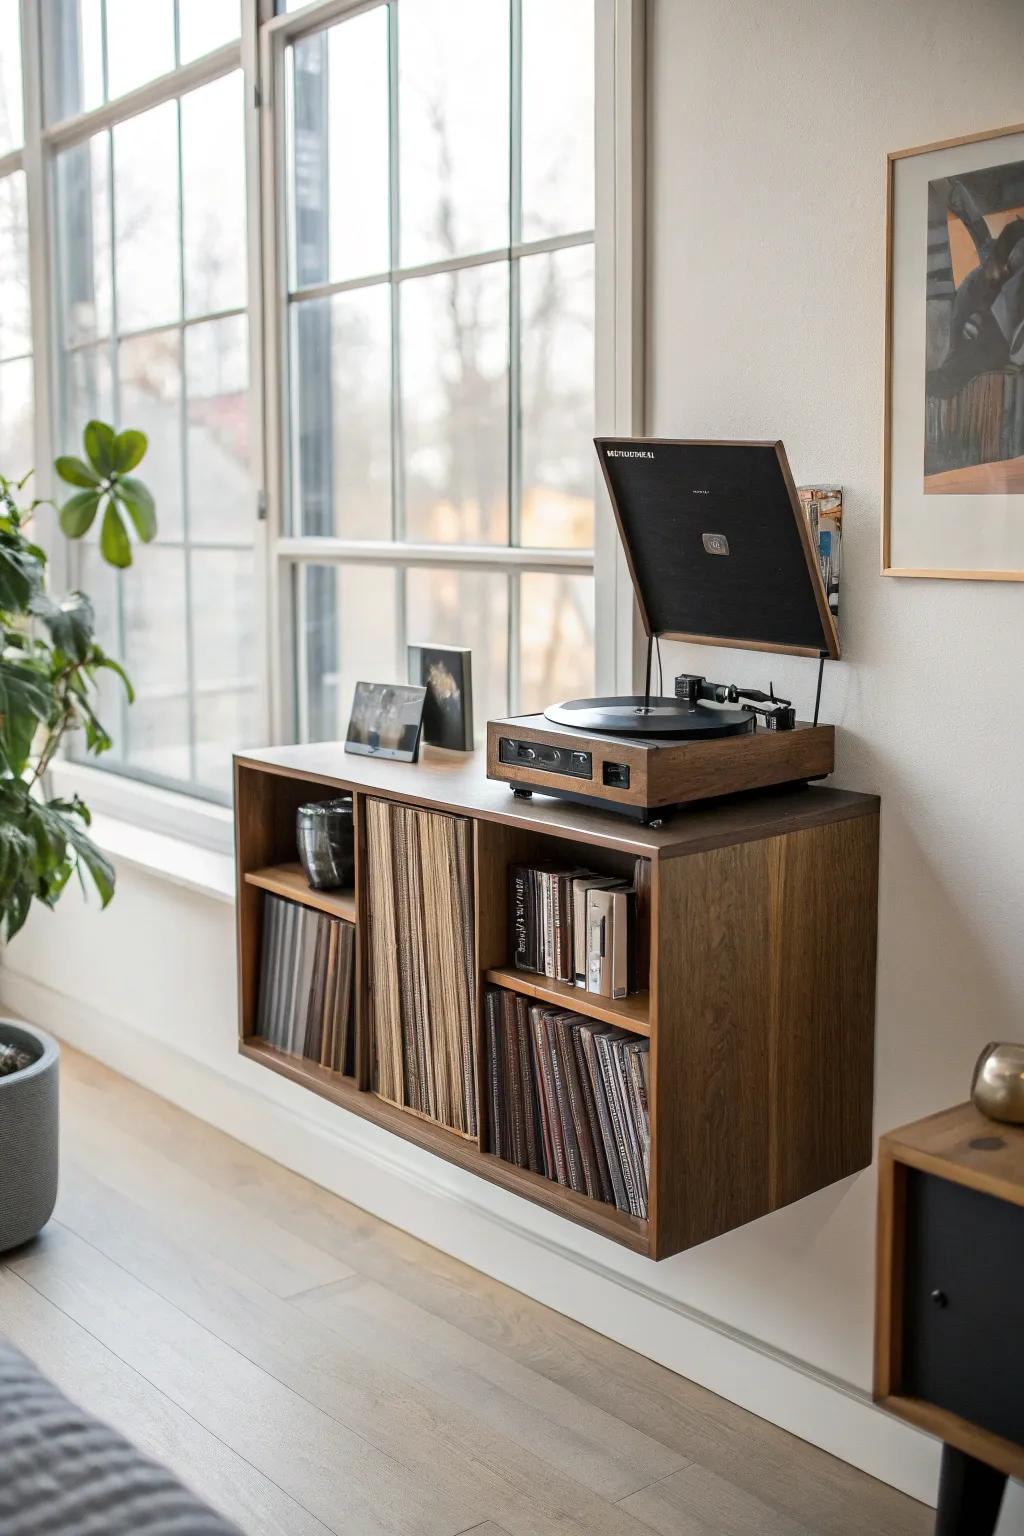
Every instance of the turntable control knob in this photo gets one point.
(525, 752)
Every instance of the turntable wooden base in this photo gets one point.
(638, 778)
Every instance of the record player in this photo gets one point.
(719, 553)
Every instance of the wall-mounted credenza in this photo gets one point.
(760, 1009)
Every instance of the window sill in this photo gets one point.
(169, 858)
(183, 818)
(186, 841)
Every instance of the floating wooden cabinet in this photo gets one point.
(760, 1012)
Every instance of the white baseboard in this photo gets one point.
(494, 1232)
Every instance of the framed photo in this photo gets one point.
(386, 721)
(446, 672)
(954, 358)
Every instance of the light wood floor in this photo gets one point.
(309, 1369)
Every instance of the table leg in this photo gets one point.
(970, 1493)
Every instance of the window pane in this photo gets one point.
(453, 109)
(140, 42)
(558, 117)
(455, 405)
(338, 151)
(341, 430)
(72, 57)
(15, 314)
(149, 370)
(227, 660)
(155, 656)
(214, 192)
(17, 455)
(556, 646)
(12, 122)
(470, 608)
(147, 254)
(557, 398)
(348, 632)
(206, 24)
(220, 494)
(87, 390)
(85, 276)
(95, 576)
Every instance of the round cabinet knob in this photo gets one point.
(940, 1299)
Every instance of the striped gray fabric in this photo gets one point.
(63, 1473)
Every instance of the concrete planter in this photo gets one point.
(28, 1136)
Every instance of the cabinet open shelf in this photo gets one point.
(760, 1012)
(289, 880)
(632, 1013)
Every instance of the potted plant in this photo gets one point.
(49, 667)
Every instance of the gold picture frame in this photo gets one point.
(907, 366)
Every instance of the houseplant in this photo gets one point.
(49, 666)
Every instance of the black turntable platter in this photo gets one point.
(633, 715)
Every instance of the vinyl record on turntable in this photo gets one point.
(635, 715)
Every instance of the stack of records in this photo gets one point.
(421, 954)
(569, 1099)
(306, 984)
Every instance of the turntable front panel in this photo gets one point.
(659, 772)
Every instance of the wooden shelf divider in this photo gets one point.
(632, 1013)
(760, 1013)
(289, 880)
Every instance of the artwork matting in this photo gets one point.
(953, 453)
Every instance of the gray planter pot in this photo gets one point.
(28, 1136)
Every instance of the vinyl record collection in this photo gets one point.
(569, 1099)
(584, 929)
(421, 957)
(306, 984)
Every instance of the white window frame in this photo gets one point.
(619, 357)
(618, 245)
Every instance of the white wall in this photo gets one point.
(769, 127)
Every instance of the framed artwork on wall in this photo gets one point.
(954, 360)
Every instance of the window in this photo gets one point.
(152, 332)
(389, 210)
(438, 335)
(16, 386)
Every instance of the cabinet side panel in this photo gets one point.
(823, 1029)
(711, 1117)
(765, 1025)
(254, 840)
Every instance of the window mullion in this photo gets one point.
(515, 465)
(190, 644)
(37, 254)
(398, 517)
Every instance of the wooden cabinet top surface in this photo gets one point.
(966, 1146)
(451, 781)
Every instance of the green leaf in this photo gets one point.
(70, 622)
(25, 701)
(139, 504)
(129, 448)
(98, 440)
(21, 576)
(100, 660)
(115, 545)
(78, 513)
(99, 867)
(74, 471)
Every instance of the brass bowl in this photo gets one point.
(997, 1086)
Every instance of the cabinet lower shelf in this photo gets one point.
(450, 1145)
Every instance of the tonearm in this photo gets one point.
(777, 714)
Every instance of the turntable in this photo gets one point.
(719, 553)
